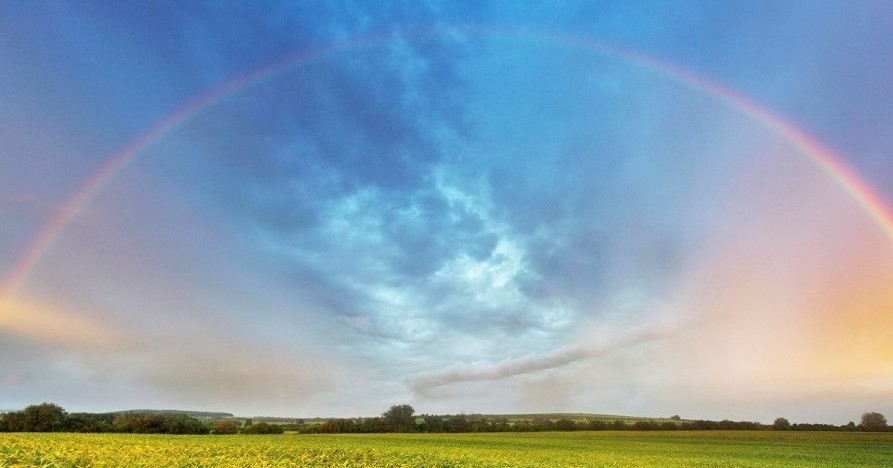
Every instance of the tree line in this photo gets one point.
(49, 417)
(873, 422)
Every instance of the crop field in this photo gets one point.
(566, 449)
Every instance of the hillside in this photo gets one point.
(194, 414)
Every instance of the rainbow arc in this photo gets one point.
(823, 158)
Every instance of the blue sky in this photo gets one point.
(469, 207)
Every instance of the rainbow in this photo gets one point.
(73, 206)
(823, 158)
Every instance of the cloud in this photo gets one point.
(482, 371)
(390, 221)
(353, 137)
(363, 324)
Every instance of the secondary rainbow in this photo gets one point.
(823, 158)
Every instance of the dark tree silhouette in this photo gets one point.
(873, 422)
(399, 418)
(45, 417)
(781, 424)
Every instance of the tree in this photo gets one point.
(45, 417)
(183, 424)
(565, 425)
(781, 424)
(12, 422)
(597, 425)
(642, 425)
(873, 422)
(226, 427)
(263, 428)
(399, 418)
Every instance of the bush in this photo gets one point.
(263, 428)
(156, 423)
(225, 427)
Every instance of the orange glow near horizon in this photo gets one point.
(45, 323)
(793, 297)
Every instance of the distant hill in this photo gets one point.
(573, 416)
(510, 417)
(194, 414)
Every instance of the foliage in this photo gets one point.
(781, 424)
(12, 422)
(263, 428)
(399, 418)
(158, 423)
(567, 449)
(87, 422)
(48, 417)
(45, 417)
(873, 422)
(225, 427)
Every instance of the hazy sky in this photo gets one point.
(325, 208)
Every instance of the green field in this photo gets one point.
(565, 449)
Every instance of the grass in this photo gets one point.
(565, 449)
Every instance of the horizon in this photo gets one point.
(600, 416)
(490, 206)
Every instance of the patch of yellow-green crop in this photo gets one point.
(566, 449)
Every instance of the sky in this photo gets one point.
(310, 209)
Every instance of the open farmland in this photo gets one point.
(615, 449)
